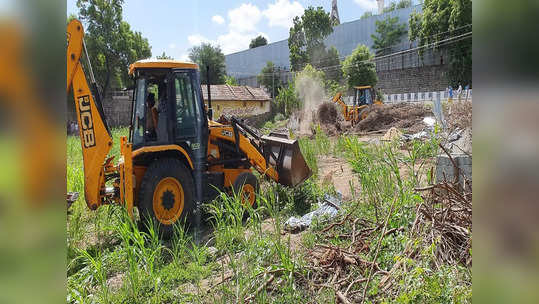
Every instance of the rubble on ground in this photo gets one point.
(460, 141)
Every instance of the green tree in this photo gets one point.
(388, 33)
(287, 100)
(269, 77)
(258, 41)
(440, 20)
(230, 80)
(329, 61)
(397, 5)
(307, 35)
(71, 17)
(164, 56)
(359, 69)
(111, 43)
(296, 46)
(206, 54)
(391, 7)
(404, 4)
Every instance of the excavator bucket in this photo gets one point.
(284, 155)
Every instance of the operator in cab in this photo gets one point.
(151, 117)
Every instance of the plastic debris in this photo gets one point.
(329, 207)
(429, 121)
(418, 135)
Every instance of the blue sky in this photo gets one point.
(174, 26)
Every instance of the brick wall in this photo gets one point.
(117, 108)
(413, 79)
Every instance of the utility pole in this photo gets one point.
(273, 82)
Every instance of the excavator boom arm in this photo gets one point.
(96, 140)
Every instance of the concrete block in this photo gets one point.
(444, 166)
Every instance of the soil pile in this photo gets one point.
(404, 116)
(459, 115)
(327, 113)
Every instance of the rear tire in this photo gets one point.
(166, 196)
(246, 185)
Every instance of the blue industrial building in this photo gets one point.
(245, 65)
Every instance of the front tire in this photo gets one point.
(166, 195)
(247, 187)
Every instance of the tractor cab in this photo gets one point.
(364, 95)
(167, 106)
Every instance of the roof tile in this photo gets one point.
(227, 92)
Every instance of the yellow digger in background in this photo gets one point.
(175, 155)
(363, 100)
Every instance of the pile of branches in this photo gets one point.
(446, 215)
(343, 269)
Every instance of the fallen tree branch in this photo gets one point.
(337, 223)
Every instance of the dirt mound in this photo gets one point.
(330, 128)
(327, 113)
(402, 116)
(459, 115)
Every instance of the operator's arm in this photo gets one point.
(154, 117)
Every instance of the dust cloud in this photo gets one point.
(311, 93)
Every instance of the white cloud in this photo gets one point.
(172, 46)
(233, 41)
(197, 39)
(367, 5)
(218, 19)
(244, 18)
(241, 29)
(282, 12)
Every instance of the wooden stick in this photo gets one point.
(337, 223)
(342, 297)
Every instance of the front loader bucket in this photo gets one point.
(285, 156)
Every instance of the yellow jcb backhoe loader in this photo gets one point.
(176, 155)
(364, 99)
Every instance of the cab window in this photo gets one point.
(185, 112)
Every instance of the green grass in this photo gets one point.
(109, 260)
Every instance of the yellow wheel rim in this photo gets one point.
(168, 201)
(248, 194)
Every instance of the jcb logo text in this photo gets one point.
(86, 121)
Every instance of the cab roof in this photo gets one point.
(161, 64)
